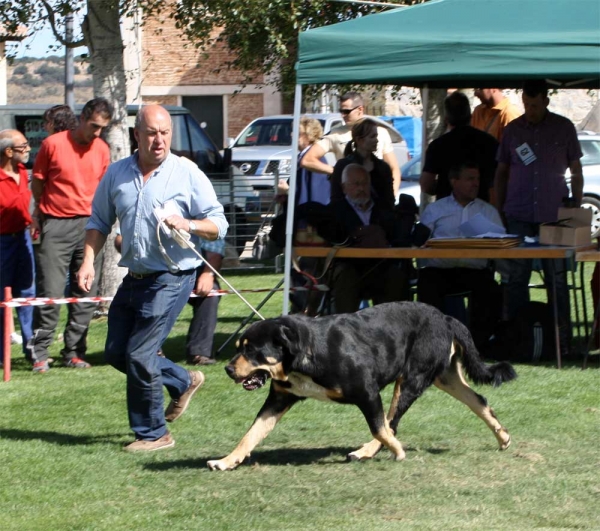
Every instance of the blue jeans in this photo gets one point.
(139, 320)
(17, 271)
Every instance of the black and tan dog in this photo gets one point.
(349, 358)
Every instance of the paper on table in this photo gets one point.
(481, 227)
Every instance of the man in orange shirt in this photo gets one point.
(16, 254)
(494, 113)
(66, 173)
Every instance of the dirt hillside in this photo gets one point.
(33, 80)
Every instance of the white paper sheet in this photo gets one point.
(481, 227)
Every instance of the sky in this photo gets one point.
(38, 45)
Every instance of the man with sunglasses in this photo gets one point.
(352, 109)
(16, 253)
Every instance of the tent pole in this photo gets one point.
(425, 103)
(289, 226)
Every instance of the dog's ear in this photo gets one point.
(287, 337)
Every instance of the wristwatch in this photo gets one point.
(192, 227)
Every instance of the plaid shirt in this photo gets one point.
(215, 246)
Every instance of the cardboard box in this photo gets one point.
(573, 228)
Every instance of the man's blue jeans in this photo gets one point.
(139, 320)
(17, 270)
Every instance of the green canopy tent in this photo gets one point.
(457, 43)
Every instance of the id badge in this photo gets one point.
(526, 154)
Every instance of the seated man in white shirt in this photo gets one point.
(448, 276)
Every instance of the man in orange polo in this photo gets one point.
(494, 113)
(66, 173)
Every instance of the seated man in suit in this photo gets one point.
(366, 224)
(441, 277)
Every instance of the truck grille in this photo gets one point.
(272, 167)
(247, 167)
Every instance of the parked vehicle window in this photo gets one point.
(33, 129)
(267, 133)
(180, 142)
(591, 152)
(204, 152)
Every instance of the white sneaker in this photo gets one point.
(16, 339)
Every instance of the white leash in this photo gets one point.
(183, 239)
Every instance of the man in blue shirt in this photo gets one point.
(161, 273)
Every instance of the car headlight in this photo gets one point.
(285, 166)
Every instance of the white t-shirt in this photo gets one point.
(335, 142)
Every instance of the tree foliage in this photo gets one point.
(263, 34)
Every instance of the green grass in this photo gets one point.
(62, 466)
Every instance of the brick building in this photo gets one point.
(174, 72)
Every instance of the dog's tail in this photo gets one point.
(475, 368)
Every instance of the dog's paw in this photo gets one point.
(219, 465)
(399, 456)
(505, 444)
(503, 438)
(353, 456)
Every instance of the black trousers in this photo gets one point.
(200, 336)
(378, 280)
(436, 283)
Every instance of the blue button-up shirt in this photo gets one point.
(122, 194)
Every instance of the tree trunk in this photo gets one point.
(435, 126)
(102, 32)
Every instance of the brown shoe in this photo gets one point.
(201, 360)
(177, 407)
(166, 441)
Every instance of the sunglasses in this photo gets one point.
(21, 147)
(348, 111)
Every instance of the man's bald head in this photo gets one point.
(153, 132)
(13, 147)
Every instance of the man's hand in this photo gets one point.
(177, 222)
(204, 283)
(86, 275)
(35, 228)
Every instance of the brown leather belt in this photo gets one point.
(140, 276)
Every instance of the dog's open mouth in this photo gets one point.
(255, 381)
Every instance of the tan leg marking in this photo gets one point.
(261, 427)
(456, 385)
(370, 449)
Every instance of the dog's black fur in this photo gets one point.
(349, 358)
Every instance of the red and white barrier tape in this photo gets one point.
(45, 301)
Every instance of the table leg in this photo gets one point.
(590, 341)
(555, 315)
